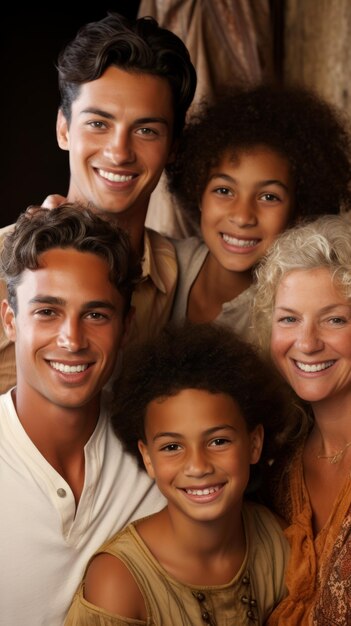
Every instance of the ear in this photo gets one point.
(256, 442)
(128, 320)
(62, 132)
(146, 458)
(8, 320)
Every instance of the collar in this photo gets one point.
(152, 258)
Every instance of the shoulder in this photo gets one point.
(110, 585)
(188, 243)
(264, 527)
(268, 553)
(157, 242)
(190, 248)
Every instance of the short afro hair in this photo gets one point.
(292, 121)
(201, 356)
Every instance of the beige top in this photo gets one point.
(191, 255)
(246, 600)
(152, 299)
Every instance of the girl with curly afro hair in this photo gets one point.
(248, 166)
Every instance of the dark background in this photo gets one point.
(31, 163)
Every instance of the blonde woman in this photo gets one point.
(302, 319)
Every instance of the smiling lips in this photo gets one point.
(239, 243)
(64, 368)
(205, 493)
(314, 367)
(115, 178)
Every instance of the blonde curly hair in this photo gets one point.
(324, 242)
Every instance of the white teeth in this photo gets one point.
(68, 369)
(202, 492)
(316, 367)
(241, 243)
(115, 178)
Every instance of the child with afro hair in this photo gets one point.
(193, 404)
(248, 166)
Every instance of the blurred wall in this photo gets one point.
(317, 48)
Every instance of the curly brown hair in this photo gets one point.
(292, 121)
(70, 225)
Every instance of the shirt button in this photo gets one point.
(61, 493)
(206, 617)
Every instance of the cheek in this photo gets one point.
(106, 343)
(165, 470)
(208, 218)
(275, 225)
(82, 143)
(278, 345)
(156, 161)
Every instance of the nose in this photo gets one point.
(243, 212)
(71, 336)
(119, 149)
(197, 463)
(309, 339)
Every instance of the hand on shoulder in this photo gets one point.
(53, 200)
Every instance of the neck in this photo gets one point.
(224, 284)
(214, 286)
(132, 220)
(332, 430)
(205, 539)
(134, 226)
(57, 431)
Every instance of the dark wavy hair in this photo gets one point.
(201, 356)
(68, 226)
(140, 46)
(292, 121)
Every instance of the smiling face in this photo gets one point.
(247, 202)
(199, 451)
(119, 139)
(311, 335)
(67, 330)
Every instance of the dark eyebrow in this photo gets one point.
(261, 183)
(92, 304)
(142, 120)
(210, 431)
(99, 112)
(99, 304)
(47, 300)
(273, 181)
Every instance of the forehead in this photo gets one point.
(262, 157)
(314, 286)
(119, 91)
(195, 410)
(69, 274)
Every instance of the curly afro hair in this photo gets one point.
(309, 132)
(209, 357)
